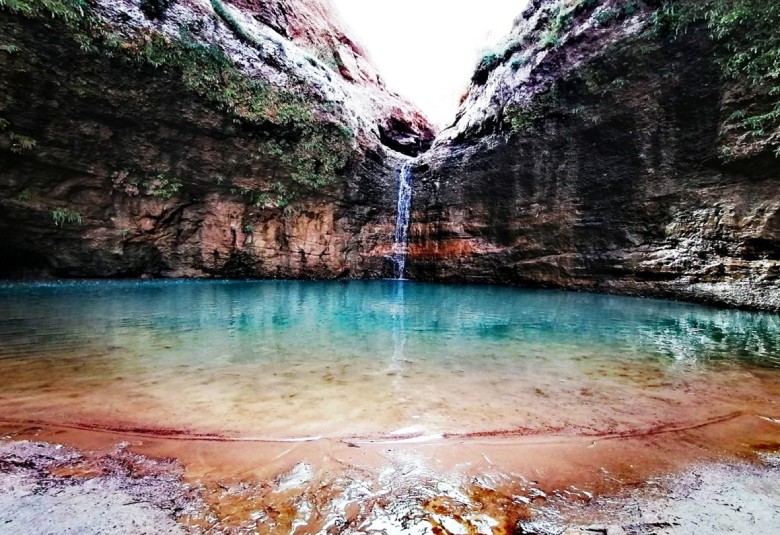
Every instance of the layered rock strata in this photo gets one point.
(194, 138)
(604, 147)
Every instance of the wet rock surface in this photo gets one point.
(55, 489)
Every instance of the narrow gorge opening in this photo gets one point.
(525, 281)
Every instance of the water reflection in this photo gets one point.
(399, 329)
(253, 320)
(291, 359)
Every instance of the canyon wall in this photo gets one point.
(605, 146)
(622, 146)
(195, 138)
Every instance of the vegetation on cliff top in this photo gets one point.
(745, 31)
(70, 10)
(748, 32)
(294, 136)
(310, 150)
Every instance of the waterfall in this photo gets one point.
(401, 238)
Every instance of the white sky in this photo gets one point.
(426, 50)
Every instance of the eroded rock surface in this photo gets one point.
(195, 138)
(598, 149)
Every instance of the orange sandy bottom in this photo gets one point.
(383, 407)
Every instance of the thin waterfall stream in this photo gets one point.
(404, 208)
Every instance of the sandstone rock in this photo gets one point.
(591, 152)
(593, 159)
(164, 175)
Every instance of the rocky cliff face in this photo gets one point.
(618, 146)
(194, 138)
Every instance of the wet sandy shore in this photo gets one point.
(381, 408)
(74, 481)
(710, 498)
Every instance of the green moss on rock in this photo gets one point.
(747, 34)
(295, 138)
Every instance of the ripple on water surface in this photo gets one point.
(285, 359)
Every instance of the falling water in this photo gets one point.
(401, 238)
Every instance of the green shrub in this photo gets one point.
(559, 18)
(521, 118)
(24, 195)
(619, 83)
(292, 133)
(630, 7)
(263, 200)
(598, 79)
(626, 8)
(159, 186)
(561, 21)
(312, 151)
(550, 40)
(66, 215)
(645, 49)
(20, 143)
(606, 15)
(70, 10)
(519, 63)
(486, 65)
(737, 115)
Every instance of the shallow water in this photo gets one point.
(277, 360)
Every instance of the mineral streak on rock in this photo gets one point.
(596, 150)
(229, 139)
